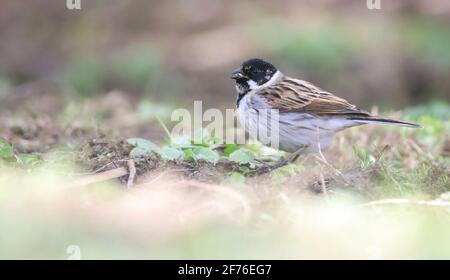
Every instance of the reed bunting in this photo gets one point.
(308, 117)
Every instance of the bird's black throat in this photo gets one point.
(252, 74)
(239, 98)
(242, 89)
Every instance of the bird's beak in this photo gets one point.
(237, 74)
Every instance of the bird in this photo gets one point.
(307, 116)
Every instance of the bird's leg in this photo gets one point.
(289, 159)
(323, 159)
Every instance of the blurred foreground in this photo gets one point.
(385, 195)
(174, 219)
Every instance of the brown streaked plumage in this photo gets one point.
(308, 115)
(294, 95)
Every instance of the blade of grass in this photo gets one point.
(164, 127)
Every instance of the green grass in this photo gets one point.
(395, 203)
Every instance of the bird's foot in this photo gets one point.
(289, 159)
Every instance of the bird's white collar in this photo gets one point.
(253, 86)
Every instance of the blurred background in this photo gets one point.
(117, 64)
(180, 50)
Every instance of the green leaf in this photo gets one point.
(143, 143)
(6, 150)
(246, 170)
(229, 148)
(140, 152)
(169, 153)
(189, 154)
(290, 169)
(241, 157)
(181, 141)
(27, 159)
(236, 178)
(142, 147)
(205, 154)
(282, 174)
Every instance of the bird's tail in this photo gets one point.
(384, 121)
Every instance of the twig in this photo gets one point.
(419, 150)
(339, 173)
(324, 188)
(99, 177)
(381, 154)
(132, 169)
(437, 203)
(98, 170)
(160, 175)
(164, 127)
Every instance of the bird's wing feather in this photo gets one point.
(293, 95)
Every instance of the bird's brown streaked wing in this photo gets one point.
(292, 95)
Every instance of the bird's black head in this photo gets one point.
(252, 74)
